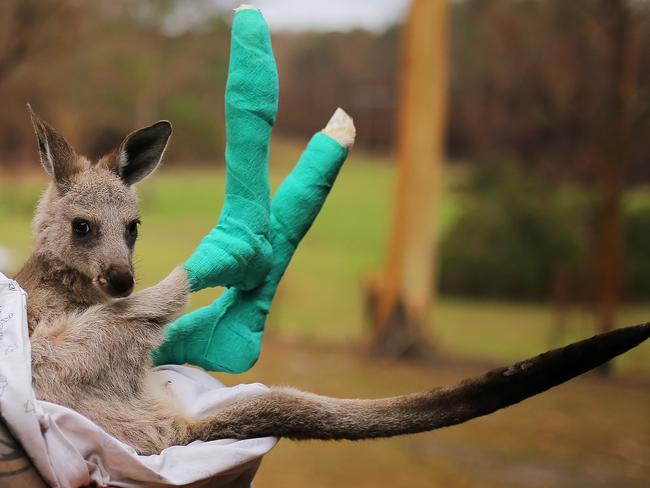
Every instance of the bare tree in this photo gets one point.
(400, 297)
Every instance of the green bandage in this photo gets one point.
(227, 335)
(237, 252)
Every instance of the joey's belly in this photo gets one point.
(147, 419)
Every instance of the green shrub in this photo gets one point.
(513, 233)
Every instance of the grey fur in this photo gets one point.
(90, 351)
(53, 147)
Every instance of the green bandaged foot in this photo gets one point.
(227, 335)
(237, 252)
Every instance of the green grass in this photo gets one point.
(505, 332)
(321, 295)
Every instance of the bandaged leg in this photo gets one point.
(227, 335)
(237, 252)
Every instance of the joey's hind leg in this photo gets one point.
(227, 335)
(237, 252)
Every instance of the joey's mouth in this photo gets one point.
(116, 285)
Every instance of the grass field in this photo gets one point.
(591, 433)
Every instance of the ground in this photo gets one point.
(587, 433)
(591, 432)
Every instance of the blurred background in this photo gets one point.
(496, 204)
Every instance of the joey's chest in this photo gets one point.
(59, 383)
(47, 308)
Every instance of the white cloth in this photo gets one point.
(69, 450)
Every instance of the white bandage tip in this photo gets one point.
(341, 128)
(245, 7)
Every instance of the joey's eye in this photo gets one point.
(80, 227)
(133, 227)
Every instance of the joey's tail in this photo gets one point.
(290, 413)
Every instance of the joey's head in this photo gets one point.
(88, 216)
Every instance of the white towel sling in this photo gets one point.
(69, 450)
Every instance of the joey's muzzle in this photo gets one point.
(117, 281)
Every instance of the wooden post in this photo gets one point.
(400, 296)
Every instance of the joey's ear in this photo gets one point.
(57, 156)
(140, 153)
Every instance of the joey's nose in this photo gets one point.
(118, 281)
